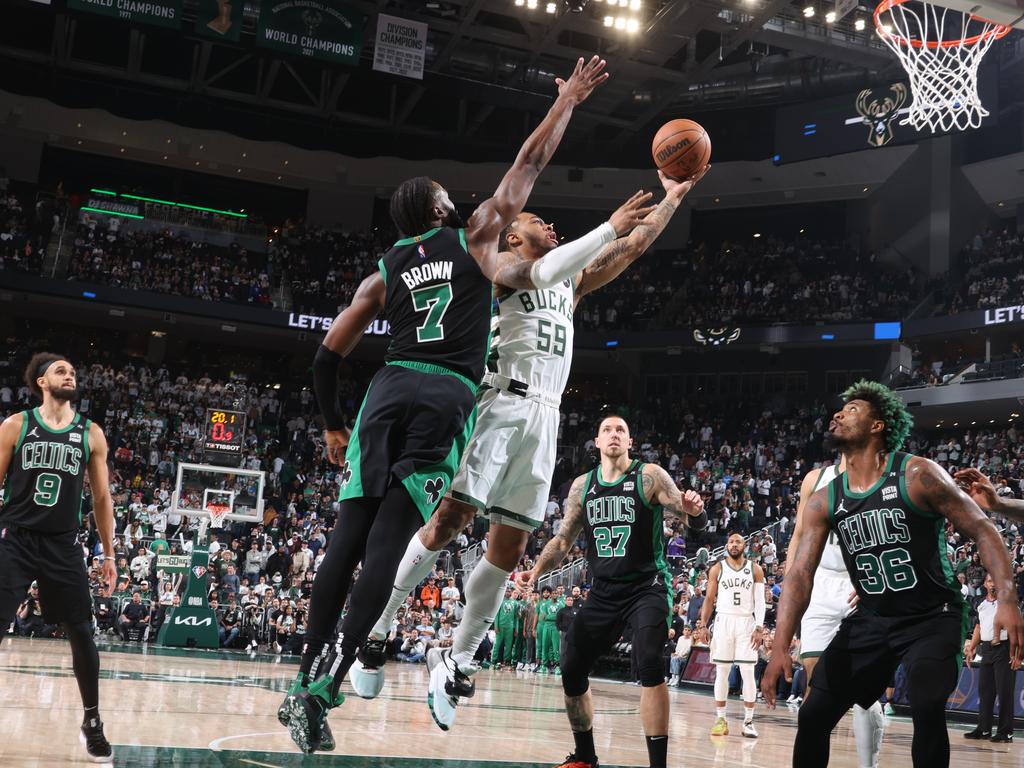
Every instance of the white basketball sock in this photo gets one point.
(416, 564)
(749, 688)
(722, 681)
(484, 590)
(868, 728)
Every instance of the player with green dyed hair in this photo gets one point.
(888, 407)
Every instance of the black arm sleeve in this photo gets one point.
(325, 385)
(698, 523)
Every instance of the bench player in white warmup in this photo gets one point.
(832, 599)
(506, 471)
(736, 592)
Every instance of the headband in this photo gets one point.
(41, 370)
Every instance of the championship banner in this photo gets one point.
(220, 19)
(314, 28)
(400, 47)
(173, 563)
(161, 13)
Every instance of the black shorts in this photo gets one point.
(612, 606)
(860, 662)
(412, 428)
(55, 561)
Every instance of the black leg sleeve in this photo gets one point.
(86, 661)
(818, 716)
(930, 681)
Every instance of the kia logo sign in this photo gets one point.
(193, 621)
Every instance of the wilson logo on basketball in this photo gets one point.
(670, 150)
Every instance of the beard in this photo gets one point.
(64, 394)
(831, 443)
(454, 220)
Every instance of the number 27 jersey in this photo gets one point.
(438, 302)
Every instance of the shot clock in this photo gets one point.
(225, 433)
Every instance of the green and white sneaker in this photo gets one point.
(304, 714)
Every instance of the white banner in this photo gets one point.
(400, 46)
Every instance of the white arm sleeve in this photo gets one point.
(566, 260)
(759, 606)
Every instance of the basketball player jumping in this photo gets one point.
(44, 455)
(736, 592)
(832, 600)
(511, 456)
(889, 511)
(620, 506)
(434, 287)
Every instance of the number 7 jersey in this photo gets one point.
(438, 303)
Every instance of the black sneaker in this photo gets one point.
(977, 733)
(305, 716)
(1002, 738)
(372, 655)
(96, 744)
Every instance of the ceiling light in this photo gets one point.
(808, 11)
(531, 4)
(124, 133)
(79, 142)
(122, 149)
(859, 25)
(801, 231)
(632, 25)
(165, 157)
(550, 8)
(620, 23)
(887, 28)
(830, 17)
(624, 3)
(609, 21)
(757, 234)
(634, 5)
(864, 190)
(520, 3)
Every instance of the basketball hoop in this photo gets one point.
(941, 57)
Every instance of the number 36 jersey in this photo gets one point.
(531, 337)
(437, 303)
(46, 476)
(894, 551)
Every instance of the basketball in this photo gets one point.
(681, 148)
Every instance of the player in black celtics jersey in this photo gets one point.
(434, 287)
(889, 511)
(44, 455)
(620, 506)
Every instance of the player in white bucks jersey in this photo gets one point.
(833, 599)
(506, 472)
(736, 593)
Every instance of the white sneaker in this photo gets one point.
(367, 683)
(448, 682)
(749, 730)
(791, 699)
(673, 681)
(519, 667)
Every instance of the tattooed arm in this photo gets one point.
(660, 488)
(932, 489)
(556, 549)
(618, 255)
(980, 489)
(796, 592)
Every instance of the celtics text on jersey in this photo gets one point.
(894, 552)
(47, 476)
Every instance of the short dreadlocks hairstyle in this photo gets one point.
(886, 407)
(411, 205)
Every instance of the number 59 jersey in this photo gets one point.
(532, 337)
(438, 303)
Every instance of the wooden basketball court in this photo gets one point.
(165, 707)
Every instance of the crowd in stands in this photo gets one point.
(993, 272)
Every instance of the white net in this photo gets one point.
(941, 50)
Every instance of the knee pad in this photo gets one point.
(648, 643)
(575, 674)
(722, 672)
(749, 684)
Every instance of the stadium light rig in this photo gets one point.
(808, 11)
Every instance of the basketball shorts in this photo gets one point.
(412, 428)
(610, 608)
(55, 561)
(830, 604)
(730, 643)
(862, 658)
(507, 468)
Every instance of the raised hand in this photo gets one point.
(631, 213)
(978, 487)
(583, 80)
(679, 189)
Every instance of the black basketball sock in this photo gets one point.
(86, 663)
(585, 745)
(657, 750)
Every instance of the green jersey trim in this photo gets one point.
(465, 498)
(383, 270)
(640, 490)
(462, 240)
(437, 370)
(873, 488)
(417, 238)
(85, 442)
(534, 524)
(906, 494)
(24, 430)
(68, 428)
(831, 501)
(600, 480)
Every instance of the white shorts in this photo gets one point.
(506, 470)
(730, 643)
(830, 604)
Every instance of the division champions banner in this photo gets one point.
(161, 13)
(318, 29)
(400, 46)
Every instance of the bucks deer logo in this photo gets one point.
(879, 112)
(312, 20)
(716, 337)
(434, 487)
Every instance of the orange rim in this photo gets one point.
(997, 31)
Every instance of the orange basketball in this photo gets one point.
(681, 148)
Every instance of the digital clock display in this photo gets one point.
(225, 433)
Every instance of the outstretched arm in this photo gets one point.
(556, 549)
(980, 489)
(617, 256)
(495, 213)
(932, 489)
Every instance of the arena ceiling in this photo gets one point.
(489, 67)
